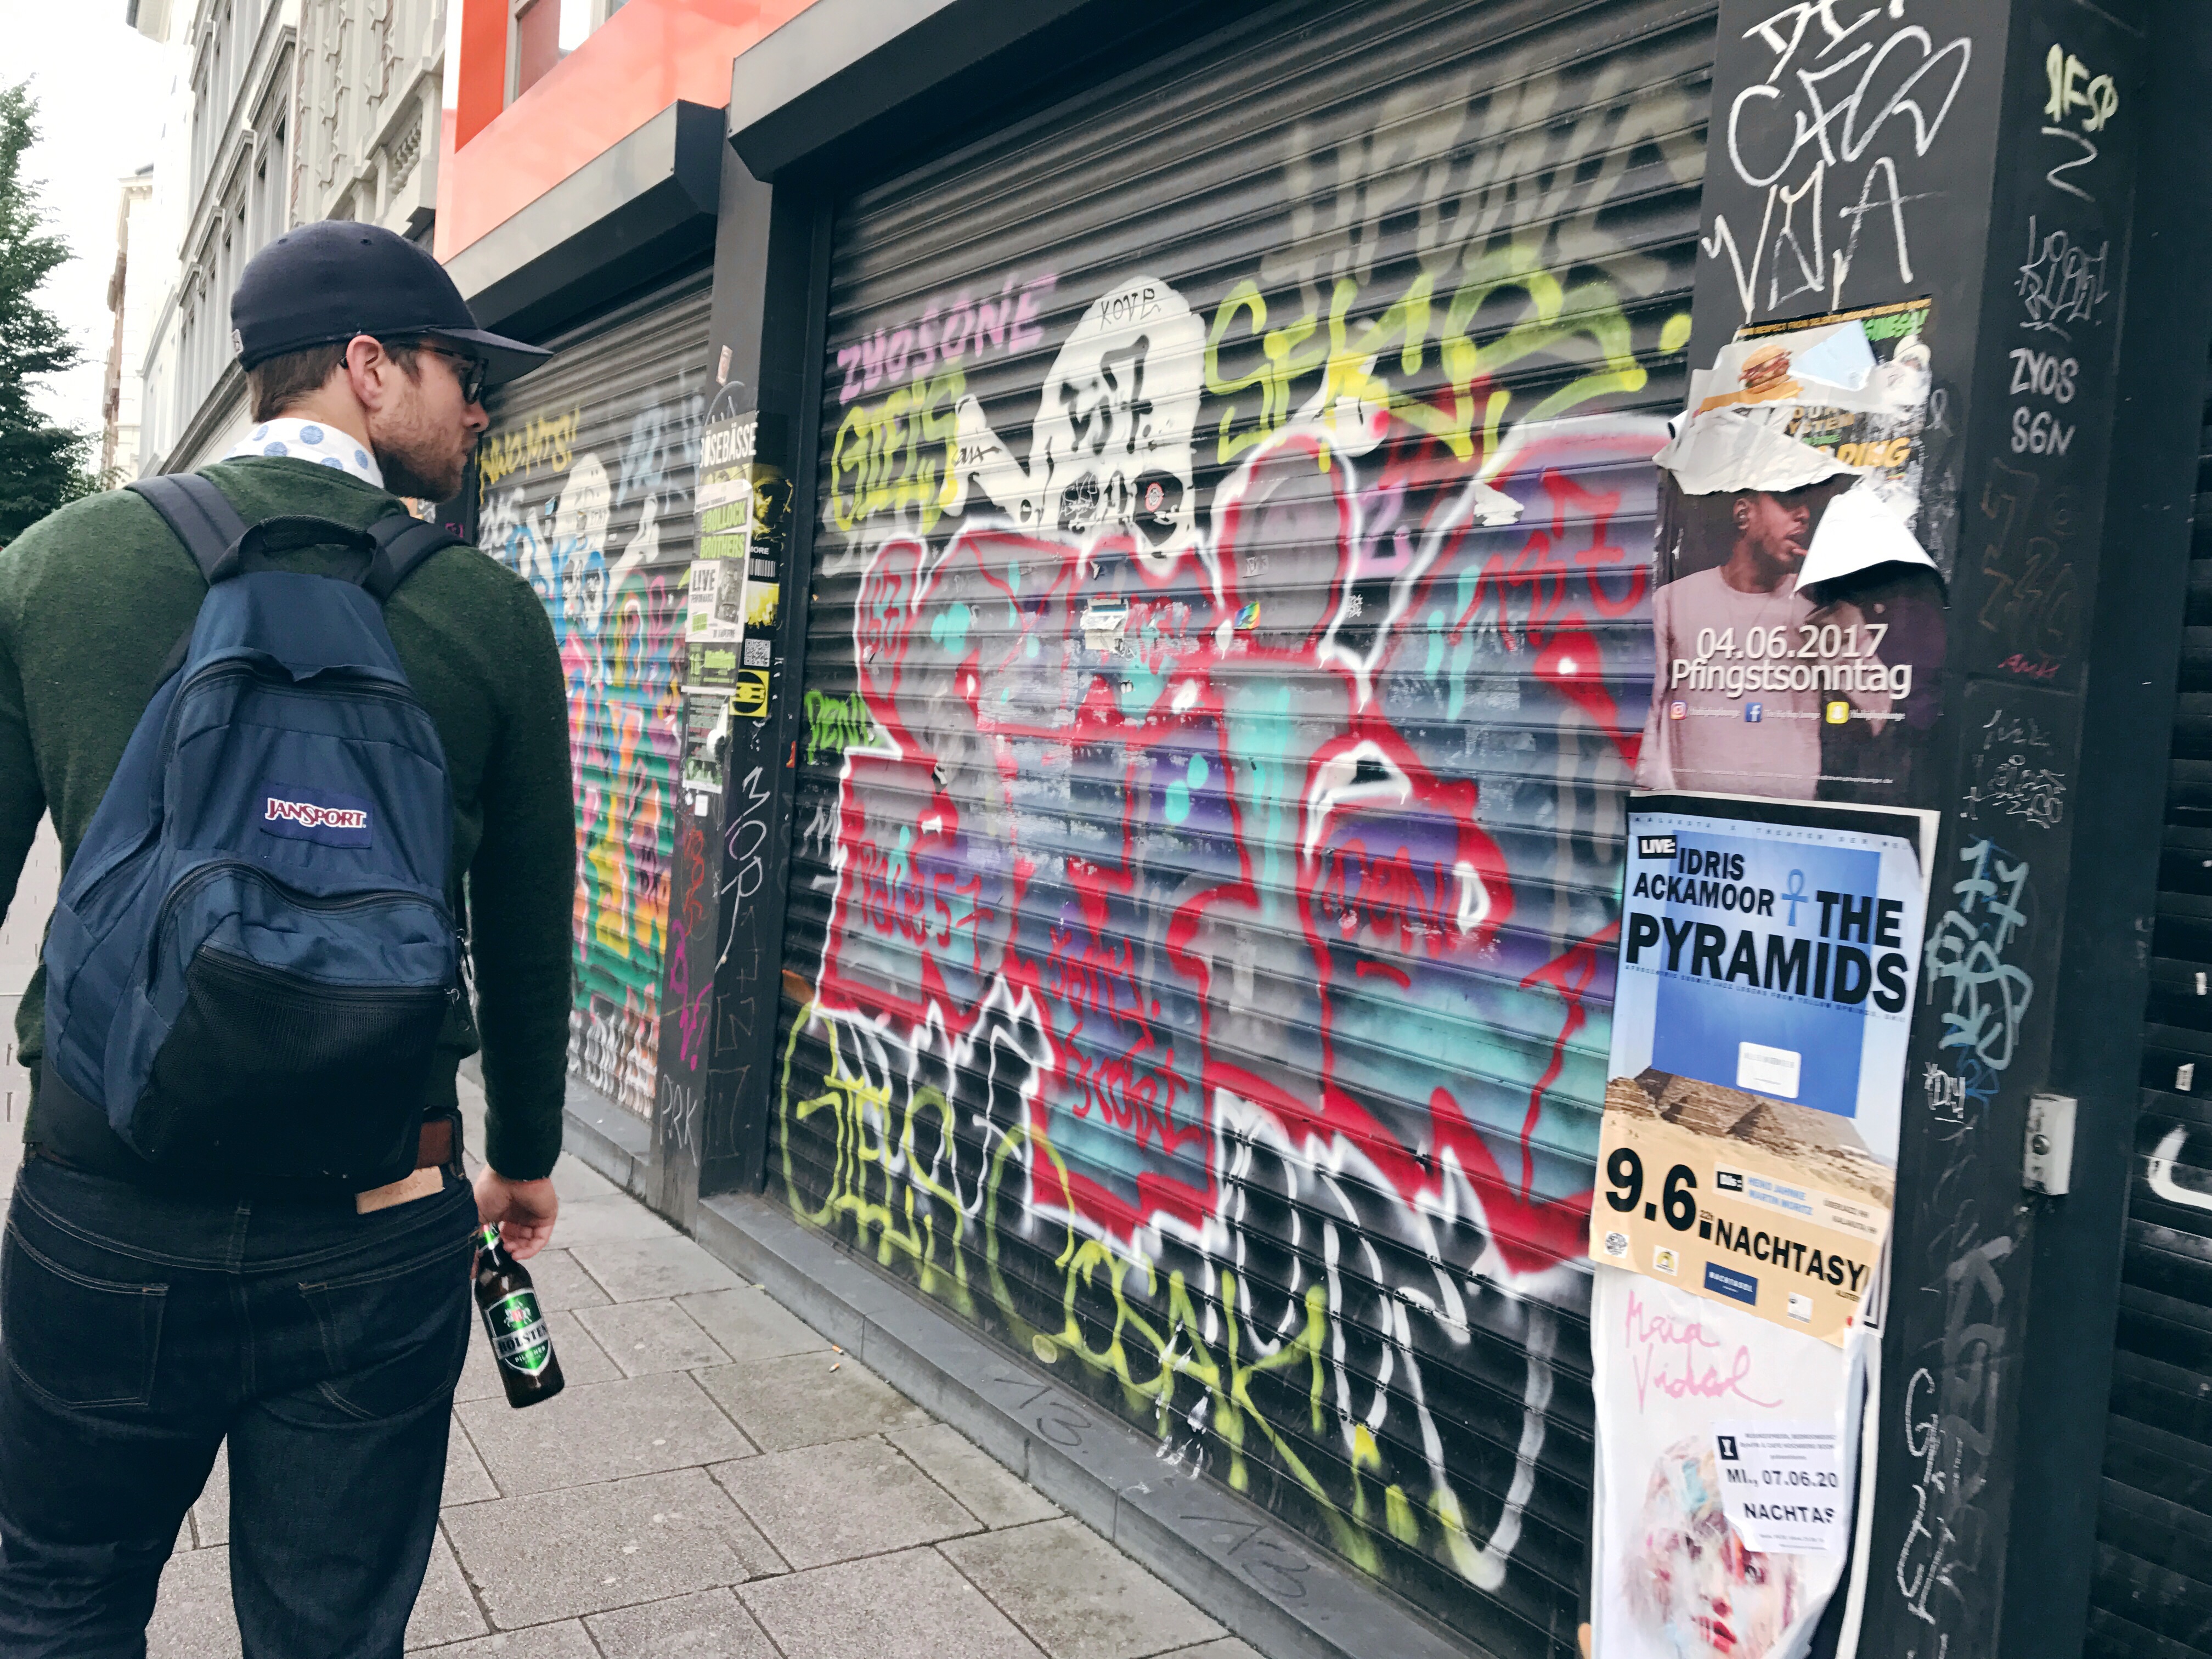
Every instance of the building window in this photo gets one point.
(537, 46)
(269, 177)
(543, 31)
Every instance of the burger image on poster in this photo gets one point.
(1111, 450)
(1766, 368)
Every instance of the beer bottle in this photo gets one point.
(520, 1341)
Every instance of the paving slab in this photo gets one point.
(581, 1360)
(590, 1549)
(985, 1488)
(192, 1619)
(446, 1611)
(834, 1503)
(711, 1625)
(1076, 1595)
(1227, 1648)
(636, 1425)
(635, 1269)
(560, 1283)
(807, 1400)
(913, 1606)
(565, 1640)
(603, 1220)
(573, 1179)
(644, 1337)
(466, 1479)
(751, 1324)
(210, 1513)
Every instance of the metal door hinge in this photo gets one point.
(2047, 1160)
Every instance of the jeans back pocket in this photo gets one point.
(395, 1337)
(76, 1340)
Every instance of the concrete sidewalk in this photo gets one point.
(719, 1482)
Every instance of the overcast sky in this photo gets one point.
(102, 89)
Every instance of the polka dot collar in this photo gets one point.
(287, 438)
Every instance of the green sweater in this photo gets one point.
(92, 598)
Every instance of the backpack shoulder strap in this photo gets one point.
(403, 542)
(200, 515)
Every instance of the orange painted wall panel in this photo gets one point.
(650, 54)
(482, 83)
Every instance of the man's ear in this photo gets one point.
(365, 357)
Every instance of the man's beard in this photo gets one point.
(417, 466)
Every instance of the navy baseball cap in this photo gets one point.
(331, 280)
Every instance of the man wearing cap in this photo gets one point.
(145, 1319)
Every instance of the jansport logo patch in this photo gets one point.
(321, 815)
(318, 817)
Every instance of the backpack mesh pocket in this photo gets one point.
(290, 1077)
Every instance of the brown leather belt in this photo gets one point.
(436, 1145)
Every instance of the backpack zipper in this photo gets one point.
(247, 968)
(233, 669)
(207, 872)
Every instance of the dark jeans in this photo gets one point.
(138, 1330)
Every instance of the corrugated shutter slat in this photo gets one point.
(2152, 1591)
(584, 485)
(1229, 640)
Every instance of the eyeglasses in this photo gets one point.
(469, 371)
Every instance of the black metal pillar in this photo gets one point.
(1981, 152)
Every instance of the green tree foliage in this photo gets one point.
(41, 465)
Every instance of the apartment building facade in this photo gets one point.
(292, 111)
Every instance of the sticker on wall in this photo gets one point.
(749, 694)
(1768, 959)
(710, 667)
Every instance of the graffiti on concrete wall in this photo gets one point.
(1221, 802)
(583, 521)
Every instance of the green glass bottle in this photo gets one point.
(520, 1340)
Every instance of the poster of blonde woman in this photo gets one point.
(1726, 1473)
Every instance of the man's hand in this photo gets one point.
(522, 1210)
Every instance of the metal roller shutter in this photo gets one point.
(2152, 1594)
(1228, 646)
(584, 485)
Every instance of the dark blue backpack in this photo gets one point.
(253, 952)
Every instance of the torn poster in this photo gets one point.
(706, 742)
(1733, 450)
(723, 500)
(1798, 657)
(736, 583)
(1870, 361)
(1859, 531)
(1768, 961)
(1728, 1456)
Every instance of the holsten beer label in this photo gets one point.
(520, 1338)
